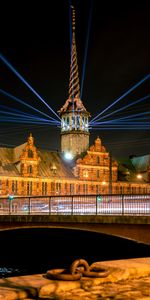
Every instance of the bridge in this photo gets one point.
(127, 216)
(131, 227)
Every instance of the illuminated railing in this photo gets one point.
(77, 205)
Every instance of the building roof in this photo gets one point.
(7, 166)
(141, 163)
(51, 163)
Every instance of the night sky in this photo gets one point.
(36, 41)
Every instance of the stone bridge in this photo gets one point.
(132, 227)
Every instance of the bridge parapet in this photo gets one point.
(132, 227)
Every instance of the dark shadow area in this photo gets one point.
(36, 250)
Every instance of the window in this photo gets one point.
(85, 174)
(30, 153)
(52, 187)
(29, 188)
(98, 160)
(65, 187)
(98, 173)
(44, 188)
(30, 169)
(85, 188)
(71, 188)
(58, 187)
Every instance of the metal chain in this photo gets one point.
(78, 269)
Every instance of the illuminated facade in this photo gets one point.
(26, 170)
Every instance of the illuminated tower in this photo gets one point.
(74, 116)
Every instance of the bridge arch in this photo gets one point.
(130, 227)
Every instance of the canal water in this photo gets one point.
(36, 250)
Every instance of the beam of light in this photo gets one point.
(121, 128)
(127, 141)
(25, 104)
(124, 107)
(19, 113)
(26, 117)
(121, 97)
(86, 48)
(26, 121)
(19, 129)
(26, 83)
(122, 118)
(122, 123)
(134, 115)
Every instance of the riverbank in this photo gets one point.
(128, 279)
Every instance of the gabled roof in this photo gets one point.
(17, 151)
(48, 159)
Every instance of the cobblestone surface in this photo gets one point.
(123, 290)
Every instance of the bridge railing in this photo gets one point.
(113, 204)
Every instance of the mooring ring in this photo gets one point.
(61, 274)
(96, 271)
(95, 274)
(79, 266)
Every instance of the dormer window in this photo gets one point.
(30, 153)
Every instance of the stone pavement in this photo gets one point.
(128, 279)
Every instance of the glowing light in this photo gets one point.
(68, 156)
(139, 176)
(10, 197)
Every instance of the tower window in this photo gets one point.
(78, 122)
(30, 153)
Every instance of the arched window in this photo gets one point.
(30, 153)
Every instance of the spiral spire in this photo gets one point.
(74, 87)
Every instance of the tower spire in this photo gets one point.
(74, 116)
(74, 87)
